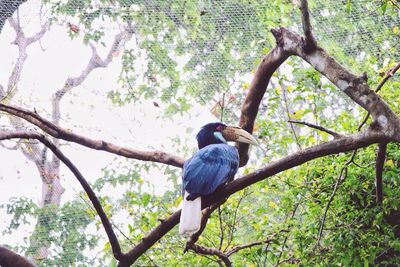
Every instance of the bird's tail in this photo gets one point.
(190, 216)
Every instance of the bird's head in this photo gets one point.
(217, 133)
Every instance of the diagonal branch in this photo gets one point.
(72, 82)
(9, 258)
(356, 87)
(344, 144)
(291, 43)
(92, 196)
(341, 177)
(212, 251)
(61, 133)
(380, 161)
(256, 91)
(37, 36)
(388, 75)
(268, 240)
(334, 134)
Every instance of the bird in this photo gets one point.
(210, 167)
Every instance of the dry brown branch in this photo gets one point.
(344, 144)
(323, 129)
(212, 251)
(255, 94)
(388, 75)
(353, 86)
(380, 161)
(309, 41)
(61, 133)
(9, 258)
(4, 135)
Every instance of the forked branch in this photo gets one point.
(67, 135)
(4, 135)
(309, 41)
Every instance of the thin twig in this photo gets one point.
(221, 229)
(286, 236)
(212, 251)
(342, 176)
(265, 241)
(388, 75)
(288, 112)
(232, 226)
(323, 129)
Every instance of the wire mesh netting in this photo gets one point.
(180, 55)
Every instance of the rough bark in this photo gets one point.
(67, 135)
(256, 91)
(9, 258)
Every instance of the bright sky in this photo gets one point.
(85, 111)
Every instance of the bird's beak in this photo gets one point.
(237, 134)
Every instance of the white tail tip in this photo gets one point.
(190, 216)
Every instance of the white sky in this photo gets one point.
(86, 111)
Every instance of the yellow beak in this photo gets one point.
(237, 134)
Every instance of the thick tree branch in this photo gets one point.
(255, 94)
(355, 87)
(309, 43)
(388, 75)
(9, 258)
(335, 146)
(323, 129)
(291, 43)
(380, 161)
(92, 196)
(58, 132)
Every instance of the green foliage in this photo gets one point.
(187, 52)
(64, 227)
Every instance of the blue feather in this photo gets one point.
(210, 167)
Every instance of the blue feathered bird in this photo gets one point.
(213, 165)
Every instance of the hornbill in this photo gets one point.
(214, 164)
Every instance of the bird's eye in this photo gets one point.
(220, 128)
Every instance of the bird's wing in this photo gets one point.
(210, 167)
